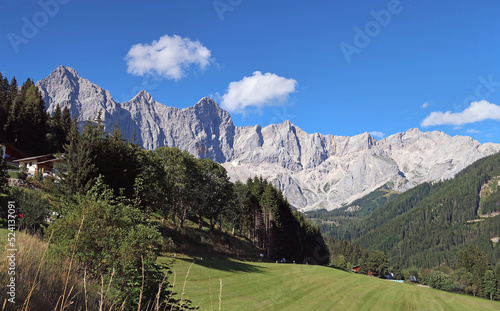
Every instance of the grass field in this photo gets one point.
(270, 286)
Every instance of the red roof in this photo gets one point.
(12, 153)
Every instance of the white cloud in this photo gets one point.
(473, 131)
(377, 134)
(168, 57)
(257, 91)
(425, 105)
(477, 111)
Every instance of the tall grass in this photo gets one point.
(46, 282)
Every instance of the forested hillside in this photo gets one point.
(428, 225)
(328, 221)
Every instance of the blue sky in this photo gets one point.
(333, 67)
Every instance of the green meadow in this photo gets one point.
(271, 286)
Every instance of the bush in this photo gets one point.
(112, 237)
(33, 208)
(462, 280)
(340, 262)
(439, 280)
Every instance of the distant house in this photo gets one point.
(355, 269)
(11, 153)
(43, 164)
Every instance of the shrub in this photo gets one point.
(33, 208)
(114, 238)
(439, 280)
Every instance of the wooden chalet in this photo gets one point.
(43, 164)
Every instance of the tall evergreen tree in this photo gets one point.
(33, 122)
(78, 169)
(4, 105)
(489, 284)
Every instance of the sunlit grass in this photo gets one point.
(270, 286)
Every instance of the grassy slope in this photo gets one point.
(270, 286)
(215, 244)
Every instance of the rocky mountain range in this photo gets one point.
(313, 170)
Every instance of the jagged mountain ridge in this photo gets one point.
(313, 170)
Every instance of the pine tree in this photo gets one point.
(78, 169)
(66, 124)
(489, 283)
(33, 120)
(4, 105)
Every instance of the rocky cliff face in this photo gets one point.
(313, 170)
(205, 130)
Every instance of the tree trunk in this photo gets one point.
(200, 220)
(212, 224)
(174, 215)
(183, 218)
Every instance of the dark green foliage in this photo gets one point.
(214, 193)
(260, 211)
(353, 213)
(60, 126)
(33, 208)
(376, 263)
(95, 152)
(440, 280)
(308, 240)
(179, 182)
(236, 214)
(462, 280)
(353, 253)
(396, 271)
(489, 284)
(474, 261)
(113, 239)
(78, 169)
(4, 177)
(340, 262)
(25, 123)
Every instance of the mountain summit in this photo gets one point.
(313, 170)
